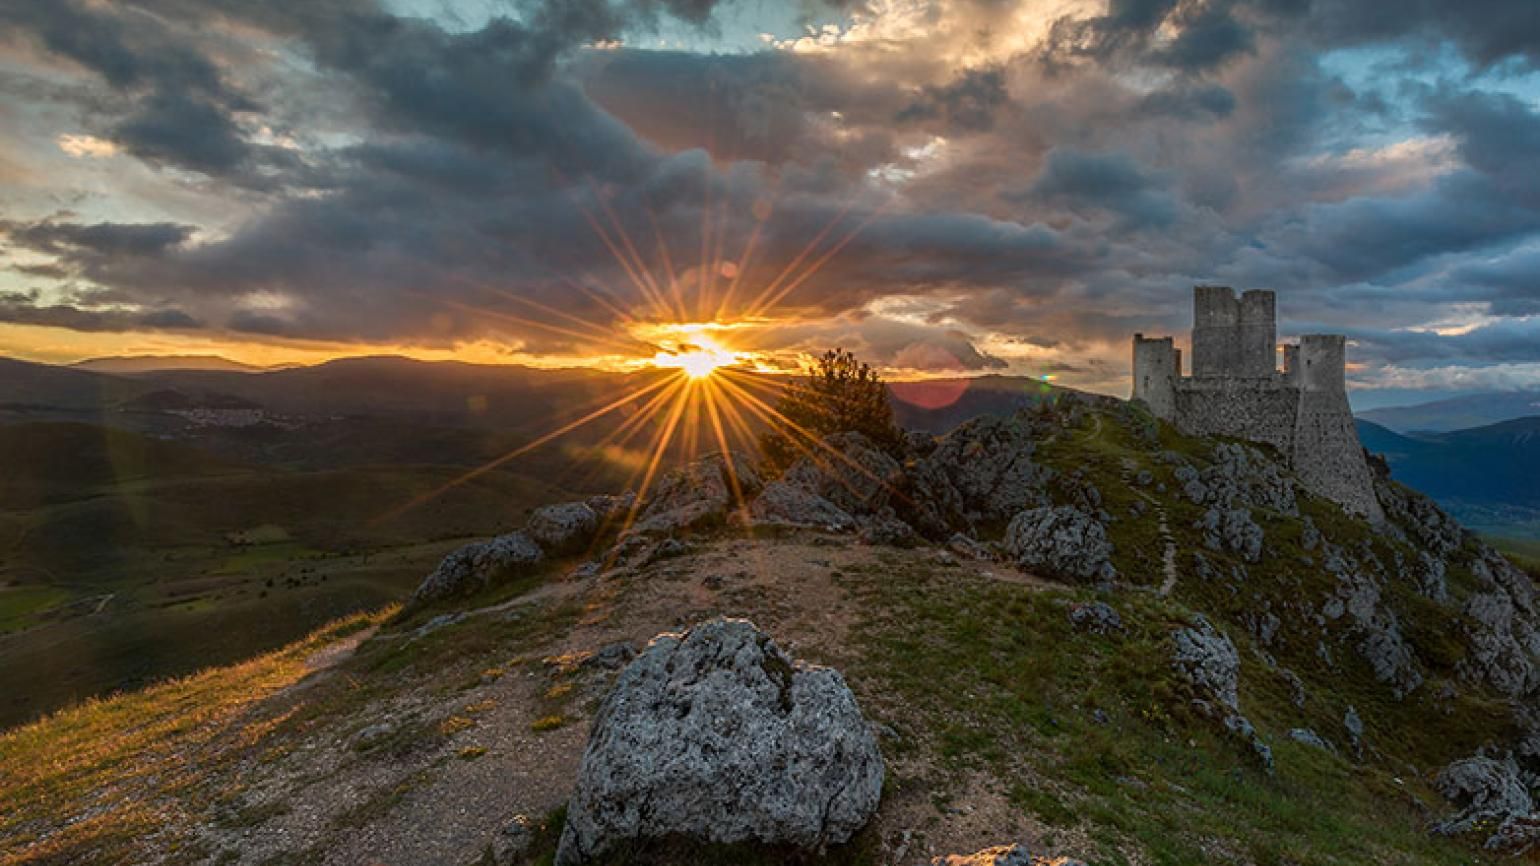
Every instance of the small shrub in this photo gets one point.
(840, 395)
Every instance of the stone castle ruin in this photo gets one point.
(1236, 389)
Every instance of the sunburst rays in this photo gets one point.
(704, 394)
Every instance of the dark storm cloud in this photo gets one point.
(179, 109)
(83, 244)
(1510, 284)
(967, 103)
(1487, 31)
(1504, 341)
(1103, 181)
(24, 309)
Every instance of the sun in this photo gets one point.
(698, 360)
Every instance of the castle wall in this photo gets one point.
(1261, 410)
(1157, 367)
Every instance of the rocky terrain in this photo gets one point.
(1072, 635)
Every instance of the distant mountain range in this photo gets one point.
(131, 364)
(1457, 413)
(1488, 476)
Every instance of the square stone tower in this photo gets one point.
(1232, 337)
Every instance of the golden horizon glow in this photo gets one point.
(692, 347)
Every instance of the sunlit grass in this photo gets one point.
(118, 764)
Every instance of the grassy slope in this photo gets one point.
(979, 676)
(118, 568)
(98, 752)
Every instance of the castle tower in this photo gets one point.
(1157, 367)
(1216, 321)
(1327, 455)
(1257, 339)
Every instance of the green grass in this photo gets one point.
(1008, 688)
(20, 605)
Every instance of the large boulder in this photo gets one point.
(1490, 796)
(697, 495)
(782, 503)
(1062, 541)
(474, 567)
(565, 528)
(717, 736)
(1206, 658)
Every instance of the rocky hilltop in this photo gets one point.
(1073, 635)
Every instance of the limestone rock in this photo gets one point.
(474, 567)
(849, 472)
(565, 528)
(1309, 738)
(1242, 476)
(696, 495)
(611, 656)
(1232, 529)
(1496, 654)
(967, 546)
(716, 735)
(510, 847)
(1062, 541)
(983, 472)
(1429, 526)
(1208, 660)
(1242, 728)
(1355, 729)
(1098, 617)
(888, 531)
(782, 503)
(611, 506)
(1430, 576)
(1487, 792)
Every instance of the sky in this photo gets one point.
(941, 186)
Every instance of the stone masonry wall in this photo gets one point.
(1260, 410)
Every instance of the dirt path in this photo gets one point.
(473, 749)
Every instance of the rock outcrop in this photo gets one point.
(717, 736)
(697, 495)
(474, 567)
(1206, 658)
(1061, 541)
(782, 503)
(565, 528)
(1491, 798)
(982, 473)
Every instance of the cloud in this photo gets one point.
(86, 146)
(1036, 179)
(1103, 181)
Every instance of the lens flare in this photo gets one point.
(697, 360)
